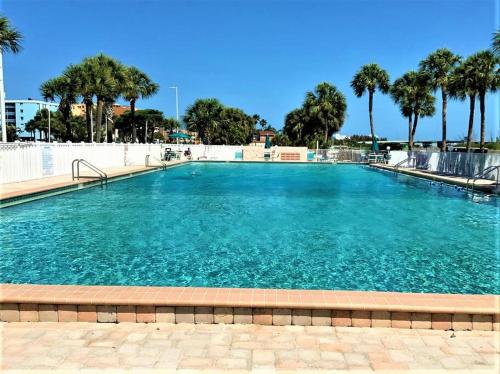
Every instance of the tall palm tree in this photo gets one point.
(10, 41)
(83, 74)
(107, 76)
(294, 125)
(65, 89)
(487, 78)
(204, 116)
(439, 65)
(463, 85)
(368, 79)
(137, 84)
(413, 93)
(327, 105)
(496, 43)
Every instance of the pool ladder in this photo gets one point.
(101, 175)
(148, 157)
(408, 161)
(483, 174)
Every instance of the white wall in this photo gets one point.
(25, 161)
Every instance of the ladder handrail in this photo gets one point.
(402, 162)
(481, 174)
(146, 161)
(103, 177)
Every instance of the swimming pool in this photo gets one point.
(258, 225)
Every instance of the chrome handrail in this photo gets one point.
(481, 174)
(146, 162)
(103, 177)
(407, 160)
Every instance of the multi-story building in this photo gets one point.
(19, 112)
(80, 110)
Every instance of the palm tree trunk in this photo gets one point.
(483, 119)
(472, 99)
(326, 133)
(88, 119)
(443, 118)
(413, 130)
(66, 112)
(98, 122)
(370, 111)
(132, 119)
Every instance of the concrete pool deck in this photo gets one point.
(484, 185)
(48, 184)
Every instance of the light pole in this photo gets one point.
(48, 110)
(2, 102)
(91, 126)
(176, 104)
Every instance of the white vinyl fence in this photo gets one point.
(25, 161)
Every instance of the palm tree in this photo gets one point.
(83, 74)
(10, 41)
(204, 116)
(294, 125)
(368, 79)
(65, 89)
(496, 43)
(107, 79)
(413, 93)
(137, 85)
(327, 105)
(462, 85)
(487, 78)
(439, 65)
(401, 93)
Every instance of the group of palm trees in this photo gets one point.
(322, 113)
(100, 78)
(103, 79)
(442, 70)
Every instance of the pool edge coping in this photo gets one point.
(250, 298)
(72, 186)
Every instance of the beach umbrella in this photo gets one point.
(268, 142)
(178, 135)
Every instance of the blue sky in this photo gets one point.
(261, 56)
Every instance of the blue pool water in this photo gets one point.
(258, 225)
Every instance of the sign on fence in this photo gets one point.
(47, 160)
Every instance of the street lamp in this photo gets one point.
(176, 104)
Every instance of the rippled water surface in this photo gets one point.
(258, 225)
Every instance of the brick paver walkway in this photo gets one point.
(186, 346)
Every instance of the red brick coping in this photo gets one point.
(239, 305)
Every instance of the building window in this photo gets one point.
(22, 110)
(22, 118)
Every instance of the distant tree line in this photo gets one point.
(100, 80)
(471, 78)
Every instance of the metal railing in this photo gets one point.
(482, 174)
(101, 175)
(406, 160)
(146, 161)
